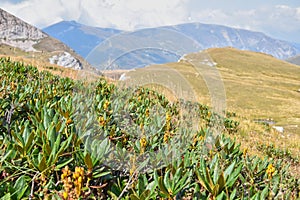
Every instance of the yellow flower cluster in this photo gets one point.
(13, 85)
(72, 184)
(106, 104)
(168, 117)
(143, 143)
(270, 171)
(102, 121)
(78, 177)
(245, 152)
(209, 114)
(167, 134)
(66, 179)
(197, 138)
(147, 112)
(132, 164)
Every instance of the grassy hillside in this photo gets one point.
(40, 60)
(257, 86)
(67, 139)
(260, 85)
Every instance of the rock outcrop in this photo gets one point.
(67, 60)
(19, 34)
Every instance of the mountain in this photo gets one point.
(295, 60)
(18, 38)
(210, 35)
(125, 50)
(69, 32)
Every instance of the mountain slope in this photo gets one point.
(18, 38)
(295, 60)
(155, 42)
(69, 32)
(257, 85)
(210, 35)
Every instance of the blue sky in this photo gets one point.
(276, 18)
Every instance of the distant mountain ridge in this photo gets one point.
(295, 60)
(210, 35)
(206, 35)
(69, 32)
(18, 38)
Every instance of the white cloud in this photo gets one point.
(275, 20)
(280, 21)
(118, 13)
(134, 13)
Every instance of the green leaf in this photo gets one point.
(265, 193)
(167, 181)
(221, 181)
(184, 181)
(46, 120)
(216, 172)
(21, 186)
(145, 195)
(233, 194)
(176, 178)
(6, 197)
(43, 164)
(113, 195)
(205, 179)
(162, 187)
(214, 161)
(29, 141)
(51, 135)
(65, 144)
(134, 197)
(221, 196)
(141, 185)
(234, 176)
(215, 190)
(88, 161)
(229, 169)
(256, 196)
(100, 174)
(59, 166)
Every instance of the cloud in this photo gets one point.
(133, 14)
(282, 20)
(117, 13)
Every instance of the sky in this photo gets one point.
(276, 18)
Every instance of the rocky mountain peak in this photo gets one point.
(17, 33)
(14, 28)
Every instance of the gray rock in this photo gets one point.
(17, 33)
(65, 59)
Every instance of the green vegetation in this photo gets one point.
(67, 139)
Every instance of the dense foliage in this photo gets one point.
(67, 139)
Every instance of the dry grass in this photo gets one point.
(260, 86)
(55, 69)
(257, 86)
